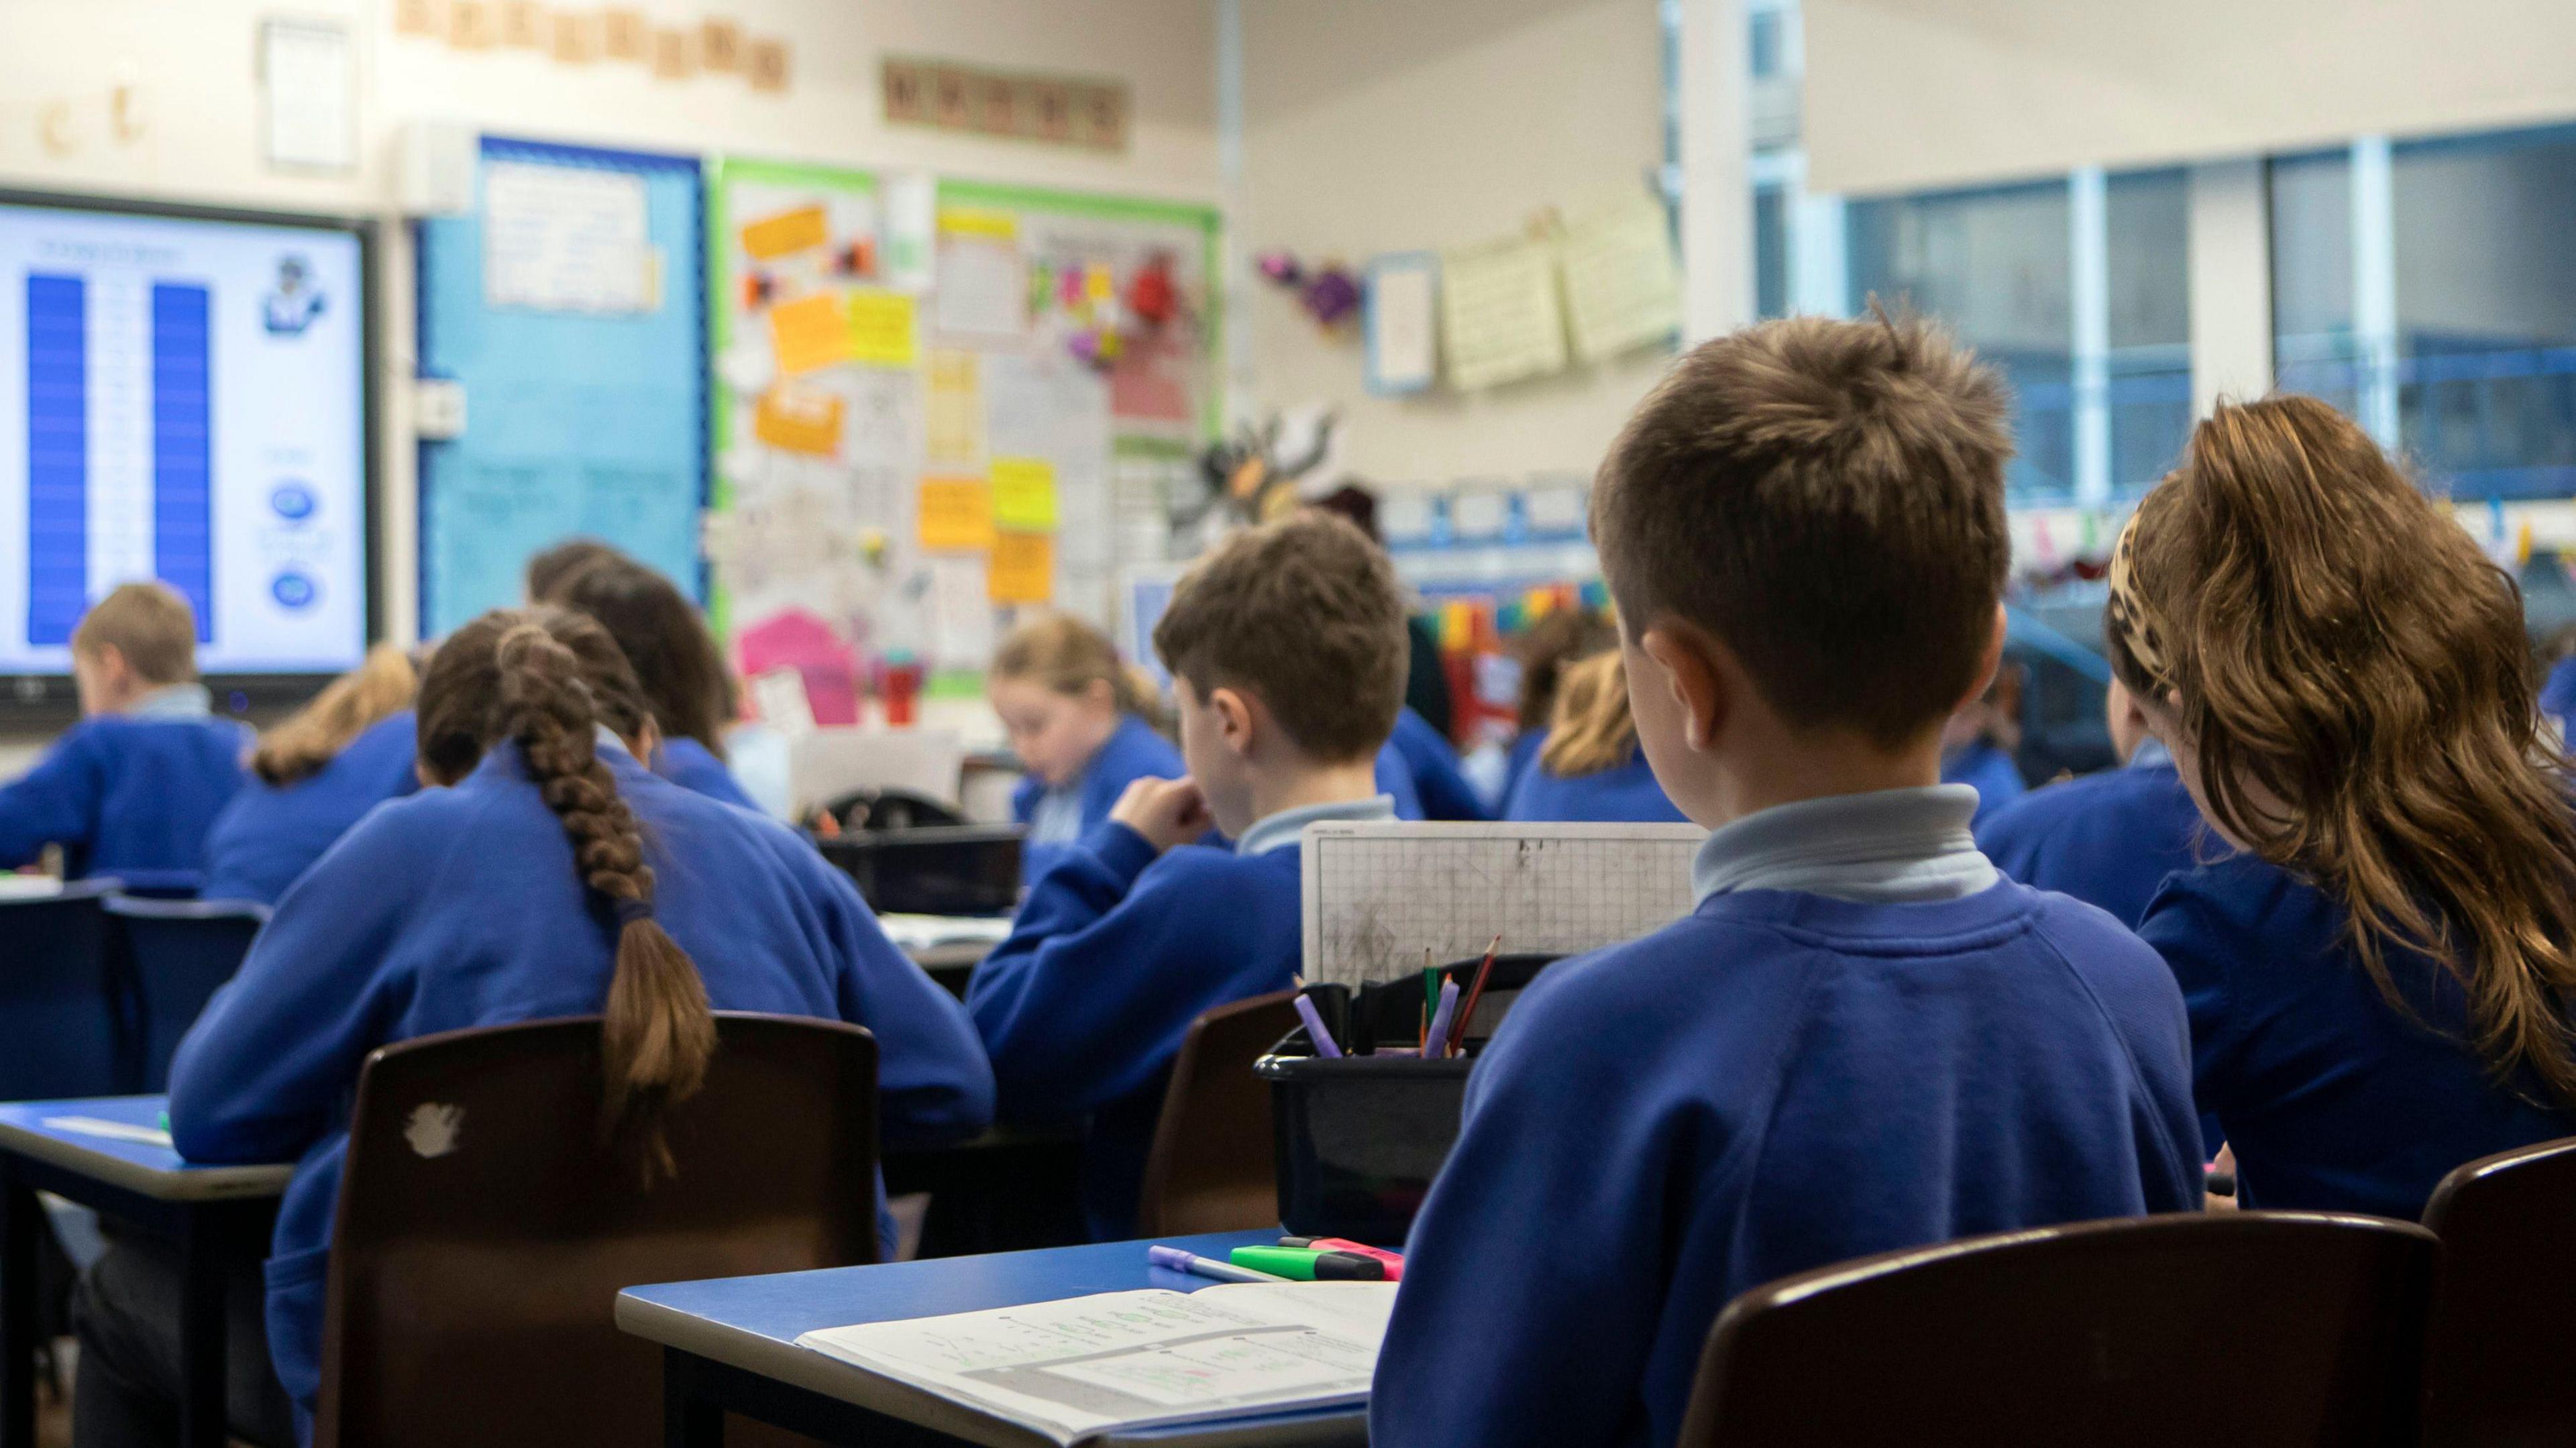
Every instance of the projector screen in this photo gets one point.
(183, 397)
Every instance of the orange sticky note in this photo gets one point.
(955, 513)
(788, 232)
(804, 422)
(1022, 569)
(1024, 494)
(881, 333)
(808, 333)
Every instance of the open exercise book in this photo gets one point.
(1074, 1370)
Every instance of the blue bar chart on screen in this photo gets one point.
(182, 399)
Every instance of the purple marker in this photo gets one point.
(1191, 1262)
(1325, 1045)
(1435, 1042)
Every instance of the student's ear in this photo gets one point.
(1100, 693)
(1236, 719)
(1686, 663)
(1987, 663)
(648, 738)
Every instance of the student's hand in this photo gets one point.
(1166, 812)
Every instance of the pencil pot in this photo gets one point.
(1359, 1138)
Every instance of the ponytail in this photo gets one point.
(297, 747)
(1593, 730)
(2351, 673)
(548, 679)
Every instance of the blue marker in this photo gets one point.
(1191, 1262)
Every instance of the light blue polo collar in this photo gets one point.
(1889, 846)
(174, 701)
(1279, 831)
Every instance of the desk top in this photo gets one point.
(104, 1137)
(752, 1323)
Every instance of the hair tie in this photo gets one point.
(630, 912)
(2128, 614)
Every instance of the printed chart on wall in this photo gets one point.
(938, 403)
(567, 305)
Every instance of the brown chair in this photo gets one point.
(484, 1232)
(1213, 1166)
(2503, 1357)
(2252, 1329)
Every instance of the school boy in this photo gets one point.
(1286, 649)
(1862, 1038)
(131, 790)
(2107, 839)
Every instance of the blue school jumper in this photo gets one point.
(1781, 1080)
(460, 907)
(2107, 839)
(1432, 761)
(693, 766)
(1625, 793)
(1522, 758)
(2332, 1099)
(1059, 818)
(1990, 770)
(1395, 781)
(272, 833)
(2558, 696)
(1114, 953)
(130, 795)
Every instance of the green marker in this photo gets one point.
(1309, 1264)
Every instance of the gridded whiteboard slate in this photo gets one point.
(1377, 894)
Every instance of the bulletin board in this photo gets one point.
(569, 305)
(938, 403)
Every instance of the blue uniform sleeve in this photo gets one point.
(1395, 781)
(1432, 761)
(55, 803)
(2199, 952)
(1533, 1279)
(1106, 966)
(933, 1083)
(268, 1068)
(2012, 839)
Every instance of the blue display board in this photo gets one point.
(585, 397)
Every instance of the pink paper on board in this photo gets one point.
(795, 639)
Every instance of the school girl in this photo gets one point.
(2379, 982)
(1591, 768)
(314, 776)
(1082, 721)
(551, 876)
(676, 662)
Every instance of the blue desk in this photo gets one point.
(730, 1346)
(217, 1215)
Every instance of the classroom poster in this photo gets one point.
(904, 460)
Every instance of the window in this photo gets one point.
(2146, 243)
(1996, 267)
(1770, 251)
(2428, 288)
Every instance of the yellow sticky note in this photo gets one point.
(881, 328)
(955, 513)
(785, 234)
(979, 221)
(809, 333)
(1099, 284)
(955, 412)
(804, 422)
(1024, 494)
(1022, 569)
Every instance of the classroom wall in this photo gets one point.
(1916, 94)
(1373, 126)
(193, 66)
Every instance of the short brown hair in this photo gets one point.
(663, 636)
(150, 625)
(1305, 613)
(1827, 498)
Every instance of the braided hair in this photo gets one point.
(546, 679)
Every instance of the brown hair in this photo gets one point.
(1826, 498)
(659, 631)
(148, 623)
(548, 568)
(298, 746)
(1061, 652)
(546, 679)
(1547, 647)
(2352, 675)
(1305, 613)
(1593, 729)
